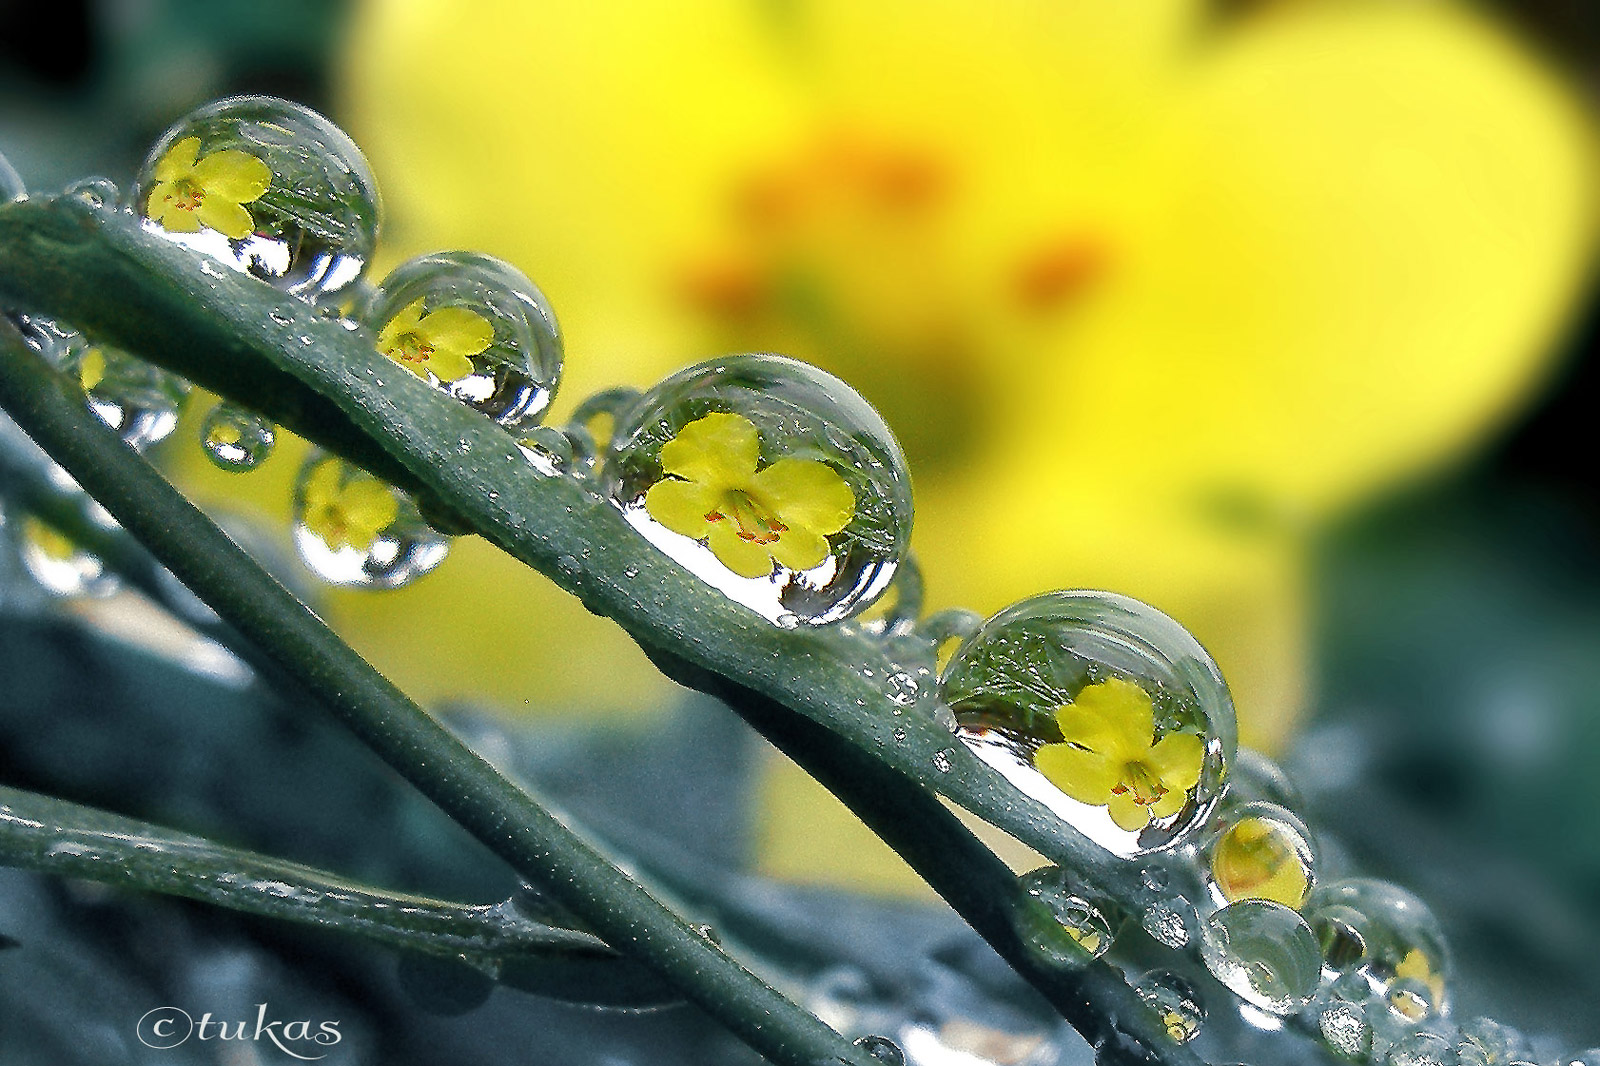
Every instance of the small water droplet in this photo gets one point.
(352, 529)
(1175, 1002)
(899, 733)
(475, 328)
(942, 760)
(236, 439)
(630, 571)
(282, 318)
(882, 1049)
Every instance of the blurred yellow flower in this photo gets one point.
(749, 518)
(347, 512)
(192, 192)
(1149, 294)
(1110, 757)
(441, 344)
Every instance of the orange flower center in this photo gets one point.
(1140, 783)
(188, 195)
(410, 348)
(755, 523)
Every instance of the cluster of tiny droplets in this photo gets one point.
(777, 485)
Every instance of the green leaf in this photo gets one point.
(49, 835)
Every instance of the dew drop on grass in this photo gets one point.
(267, 187)
(771, 481)
(236, 439)
(475, 328)
(352, 529)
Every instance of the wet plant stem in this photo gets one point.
(503, 817)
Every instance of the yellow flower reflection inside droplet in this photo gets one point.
(1255, 860)
(1110, 757)
(749, 518)
(347, 513)
(92, 370)
(192, 192)
(441, 343)
(1416, 967)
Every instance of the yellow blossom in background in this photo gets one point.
(193, 191)
(749, 518)
(347, 513)
(1110, 757)
(1150, 294)
(441, 344)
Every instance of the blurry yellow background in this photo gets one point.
(1150, 294)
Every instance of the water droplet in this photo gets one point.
(1422, 1049)
(1064, 927)
(1265, 952)
(236, 439)
(547, 450)
(1175, 1002)
(1173, 922)
(882, 1049)
(137, 399)
(1033, 686)
(96, 192)
(1258, 851)
(1388, 937)
(1485, 1042)
(267, 187)
(899, 734)
(728, 468)
(352, 529)
(475, 328)
(58, 565)
(1254, 777)
(1344, 1028)
(941, 759)
(902, 688)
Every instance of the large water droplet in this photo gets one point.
(1175, 1002)
(1055, 691)
(1064, 928)
(1344, 1028)
(1258, 851)
(771, 481)
(1265, 952)
(268, 187)
(1253, 777)
(1388, 937)
(137, 399)
(59, 565)
(352, 529)
(236, 439)
(474, 327)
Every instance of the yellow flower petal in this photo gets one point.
(1176, 759)
(719, 449)
(681, 506)
(806, 493)
(1128, 813)
(1084, 775)
(232, 175)
(737, 554)
(1170, 803)
(178, 160)
(1113, 717)
(404, 321)
(800, 548)
(1252, 862)
(175, 220)
(92, 370)
(445, 365)
(458, 330)
(228, 219)
(369, 507)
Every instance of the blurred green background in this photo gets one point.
(1276, 315)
